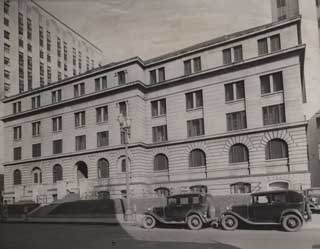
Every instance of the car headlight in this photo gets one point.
(228, 208)
(149, 209)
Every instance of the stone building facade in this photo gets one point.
(223, 116)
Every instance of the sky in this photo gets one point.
(149, 28)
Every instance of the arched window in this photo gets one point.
(240, 188)
(279, 185)
(197, 158)
(57, 173)
(103, 168)
(123, 164)
(37, 175)
(160, 162)
(162, 192)
(199, 189)
(238, 153)
(276, 148)
(17, 177)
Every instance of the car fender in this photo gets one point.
(235, 215)
(157, 217)
(291, 211)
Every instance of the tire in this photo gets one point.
(148, 222)
(291, 223)
(194, 222)
(229, 222)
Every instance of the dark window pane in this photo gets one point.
(238, 56)
(197, 64)
(187, 67)
(238, 153)
(197, 158)
(160, 162)
(276, 148)
(277, 82)
(240, 90)
(162, 76)
(265, 84)
(275, 43)
(227, 56)
(263, 46)
(153, 77)
(229, 92)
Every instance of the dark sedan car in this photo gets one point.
(190, 208)
(283, 207)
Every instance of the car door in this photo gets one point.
(261, 208)
(178, 210)
(278, 205)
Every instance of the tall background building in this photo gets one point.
(38, 49)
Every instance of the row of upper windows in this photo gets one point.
(57, 145)
(270, 83)
(230, 55)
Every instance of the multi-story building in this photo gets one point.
(227, 116)
(38, 49)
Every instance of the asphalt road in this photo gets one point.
(54, 236)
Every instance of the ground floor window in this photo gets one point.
(199, 189)
(103, 195)
(162, 192)
(240, 188)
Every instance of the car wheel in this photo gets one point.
(194, 222)
(229, 222)
(148, 222)
(291, 223)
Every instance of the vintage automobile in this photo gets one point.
(287, 208)
(313, 196)
(189, 208)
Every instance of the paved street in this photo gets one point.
(40, 236)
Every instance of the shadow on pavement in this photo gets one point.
(73, 236)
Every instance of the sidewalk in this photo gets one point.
(314, 224)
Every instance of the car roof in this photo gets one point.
(275, 192)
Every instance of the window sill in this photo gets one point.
(201, 135)
(159, 142)
(56, 132)
(243, 129)
(103, 146)
(80, 127)
(195, 109)
(277, 159)
(36, 136)
(102, 122)
(239, 163)
(198, 167)
(235, 101)
(161, 171)
(17, 140)
(159, 116)
(271, 94)
(275, 124)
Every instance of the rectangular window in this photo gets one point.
(272, 41)
(234, 91)
(16, 107)
(6, 74)
(236, 121)
(57, 146)
(194, 100)
(275, 43)
(232, 55)
(20, 24)
(161, 74)
(79, 89)
(238, 56)
(6, 34)
(65, 51)
(159, 134)
(17, 133)
(281, 3)
(6, 21)
(58, 47)
(80, 119)
(6, 61)
(48, 41)
(102, 114)
(187, 67)
(273, 114)
(122, 77)
(153, 76)
(35, 102)
(36, 126)
(102, 138)
(197, 64)
(6, 48)
(49, 76)
(80, 142)
(195, 127)
(6, 7)
(41, 36)
(123, 108)
(56, 96)
(100, 83)
(57, 124)
(271, 83)
(17, 153)
(79, 61)
(29, 29)
(158, 108)
(318, 122)
(36, 150)
(227, 58)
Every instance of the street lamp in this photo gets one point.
(125, 123)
